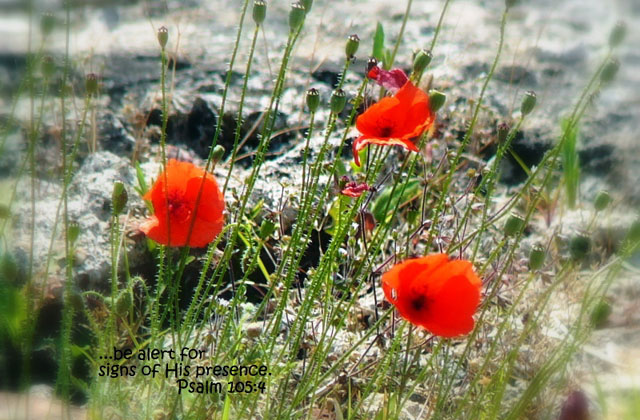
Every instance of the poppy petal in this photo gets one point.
(453, 307)
(362, 142)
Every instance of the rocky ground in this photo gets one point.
(552, 47)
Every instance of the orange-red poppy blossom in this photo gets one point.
(434, 292)
(175, 205)
(395, 120)
(353, 189)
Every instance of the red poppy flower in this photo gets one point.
(395, 120)
(174, 206)
(353, 189)
(435, 293)
(391, 80)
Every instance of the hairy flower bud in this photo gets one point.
(579, 247)
(528, 102)
(259, 11)
(421, 60)
(163, 36)
(436, 100)
(313, 99)
(609, 71)
(296, 16)
(510, 3)
(618, 33)
(338, 101)
(119, 198)
(352, 46)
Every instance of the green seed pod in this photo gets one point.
(618, 33)
(47, 24)
(609, 71)
(119, 198)
(353, 42)
(73, 231)
(217, 153)
(163, 36)
(307, 5)
(579, 247)
(600, 313)
(528, 102)
(503, 132)
(313, 99)
(296, 16)
(338, 101)
(602, 200)
(5, 213)
(436, 100)
(421, 60)
(91, 84)
(510, 3)
(48, 66)
(536, 257)
(513, 225)
(259, 11)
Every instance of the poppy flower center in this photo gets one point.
(178, 208)
(419, 302)
(385, 127)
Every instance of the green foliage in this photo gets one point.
(394, 197)
(570, 161)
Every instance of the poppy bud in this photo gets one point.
(296, 16)
(513, 225)
(163, 36)
(119, 198)
(47, 23)
(618, 33)
(602, 200)
(352, 46)
(510, 3)
(436, 100)
(73, 231)
(536, 257)
(338, 101)
(307, 5)
(600, 313)
(503, 132)
(609, 71)
(313, 99)
(91, 83)
(48, 66)
(579, 247)
(259, 11)
(5, 213)
(124, 302)
(421, 60)
(528, 102)
(74, 300)
(217, 153)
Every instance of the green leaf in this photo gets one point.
(378, 43)
(391, 199)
